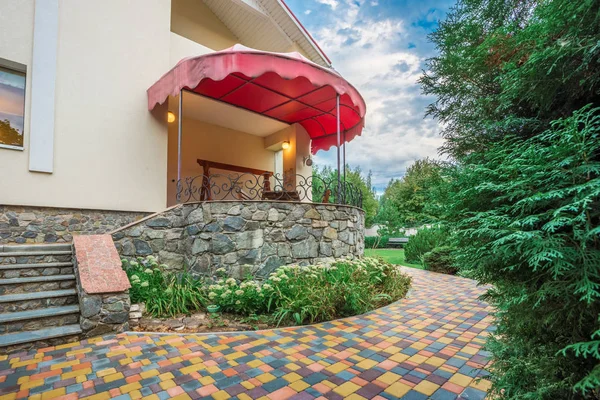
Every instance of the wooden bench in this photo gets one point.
(397, 242)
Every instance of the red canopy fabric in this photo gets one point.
(284, 86)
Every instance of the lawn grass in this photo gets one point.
(393, 256)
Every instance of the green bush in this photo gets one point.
(313, 293)
(423, 241)
(528, 223)
(440, 259)
(164, 293)
(290, 294)
(376, 242)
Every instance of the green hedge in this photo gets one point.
(441, 259)
(424, 241)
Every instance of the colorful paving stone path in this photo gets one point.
(427, 346)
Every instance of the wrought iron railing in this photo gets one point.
(246, 186)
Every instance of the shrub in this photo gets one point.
(313, 293)
(423, 241)
(164, 293)
(528, 223)
(440, 259)
(376, 242)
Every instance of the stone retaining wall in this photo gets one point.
(58, 225)
(252, 237)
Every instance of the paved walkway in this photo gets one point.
(425, 346)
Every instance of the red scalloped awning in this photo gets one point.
(284, 86)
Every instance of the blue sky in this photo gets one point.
(380, 46)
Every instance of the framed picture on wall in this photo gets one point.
(12, 108)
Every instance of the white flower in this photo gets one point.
(148, 271)
(220, 270)
(261, 295)
(239, 292)
(276, 279)
(212, 295)
(135, 278)
(224, 295)
(266, 286)
(238, 302)
(228, 292)
(144, 284)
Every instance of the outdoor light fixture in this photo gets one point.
(307, 161)
(170, 117)
(285, 145)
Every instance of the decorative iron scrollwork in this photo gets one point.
(286, 187)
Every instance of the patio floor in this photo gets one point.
(425, 346)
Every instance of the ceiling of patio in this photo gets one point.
(221, 114)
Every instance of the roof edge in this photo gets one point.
(304, 31)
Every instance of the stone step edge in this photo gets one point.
(12, 339)
(5, 267)
(8, 298)
(35, 247)
(37, 279)
(39, 313)
(35, 253)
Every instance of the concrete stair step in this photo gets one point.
(35, 253)
(11, 298)
(37, 248)
(36, 279)
(39, 313)
(5, 267)
(36, 284)
(17, 338)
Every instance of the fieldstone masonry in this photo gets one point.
(252, 237)
(57, 225)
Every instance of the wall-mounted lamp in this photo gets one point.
(285, 145)
(170, 117)
(307, 161)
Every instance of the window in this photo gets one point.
(12, 108)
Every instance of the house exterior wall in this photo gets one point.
(194, 20)
(106, 60)
(110, 152)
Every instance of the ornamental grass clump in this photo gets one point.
(164, 293)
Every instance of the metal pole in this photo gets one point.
(344, 187)
(344, 156)
(337, 113)
(179, 124)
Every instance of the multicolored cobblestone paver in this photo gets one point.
(427, 346)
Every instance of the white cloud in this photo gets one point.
(331, 3)
(307, 12)
(374, 56)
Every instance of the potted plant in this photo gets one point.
(213, 308)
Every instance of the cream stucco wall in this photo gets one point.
(194, 20)
(213, 143)
(108, 149)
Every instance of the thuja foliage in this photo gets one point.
(527, 216)
(513, 81)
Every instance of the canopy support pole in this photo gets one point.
(344, 160)
(337, 113)
(179, 125)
